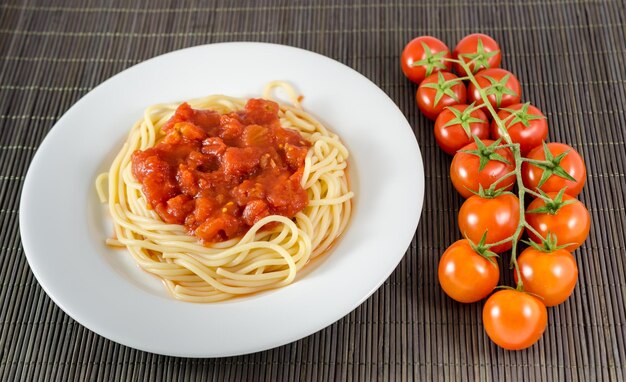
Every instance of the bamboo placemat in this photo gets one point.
(569, 56)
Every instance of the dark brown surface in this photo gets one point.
(569, 56)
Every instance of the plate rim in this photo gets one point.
(320, 324)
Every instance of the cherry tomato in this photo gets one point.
(552, 178)
(514, 320)
(455, 122)
(438, 91)
(498, 217)
(424, 56)
(550, 275)
(481, 49)
(570, 222)
(525, 123)
(466, 174)
(502, 88)
(465, 275)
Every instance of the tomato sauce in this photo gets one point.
(218, 174)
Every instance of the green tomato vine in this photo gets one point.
(517, 172)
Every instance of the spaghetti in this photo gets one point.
(270, 254)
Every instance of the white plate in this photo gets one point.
(63, 226)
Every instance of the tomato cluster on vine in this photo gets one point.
(499, 145)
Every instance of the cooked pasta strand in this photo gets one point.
(260, 260)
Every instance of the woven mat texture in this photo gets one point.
(570, 57)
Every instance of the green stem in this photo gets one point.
(531, 229)
(491, 245)
(538, 195)
(536, 161)
(517, 155)
(505, 146)
(505, 176)
(520, 283)
(505, 120)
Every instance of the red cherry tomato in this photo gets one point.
(424, 56)
(525, 124)
(550, 275)
(514, 320)
(571, 163)
(502, 88)
(438, 91)
(570, 223)
(496, 217)
(465, 275)
(466, 174)
(453, 124)
(480, 49)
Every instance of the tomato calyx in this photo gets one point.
(483, 249)
(547, 245)
(486, 153)
(443, 87)
(521, 115)
(492, 192)
(431, 61)
(508, 287)
(498, 88)
(480, 59)
(518, 288)
(551, 165)
(463, 118)
(552, 205)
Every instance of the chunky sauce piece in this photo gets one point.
(219, 174)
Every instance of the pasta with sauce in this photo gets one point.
(210, 260)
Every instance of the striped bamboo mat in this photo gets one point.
(570, 56)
